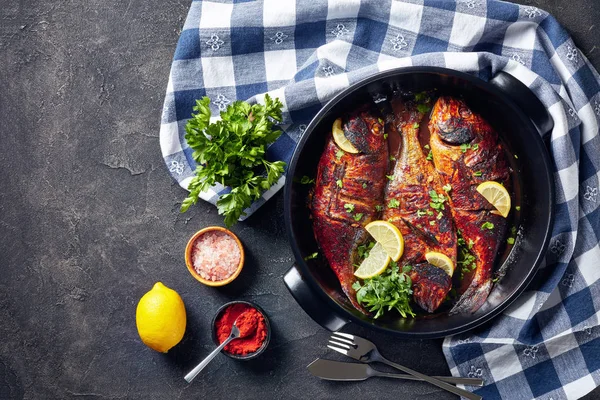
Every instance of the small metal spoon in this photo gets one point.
(235, 333)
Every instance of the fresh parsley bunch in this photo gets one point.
(232, 151)
(390, 290)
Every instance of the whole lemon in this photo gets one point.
(160, 318)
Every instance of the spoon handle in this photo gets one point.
(192, 374)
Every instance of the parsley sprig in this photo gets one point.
(390, 290)
(231, 151)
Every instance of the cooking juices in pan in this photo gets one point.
(339, 235)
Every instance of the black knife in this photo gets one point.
(344, 371)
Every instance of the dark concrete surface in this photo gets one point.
(89, 220)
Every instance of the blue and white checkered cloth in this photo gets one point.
(547, 344)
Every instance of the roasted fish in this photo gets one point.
(466, 152)
(426, 225)
(348, 189)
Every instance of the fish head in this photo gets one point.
(365, 131)
(453, 121)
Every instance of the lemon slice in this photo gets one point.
(389, 236)
(441, 261)
(497, 195)
(340, 139)
(374, 264)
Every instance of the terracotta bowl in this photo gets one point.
(190, 266)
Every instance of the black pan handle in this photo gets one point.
(310, 302)
(526, 100)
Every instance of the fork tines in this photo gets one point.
(341, 342)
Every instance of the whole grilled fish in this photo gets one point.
(408, 205)
(480, 158)
(347, 190)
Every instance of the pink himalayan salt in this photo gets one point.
(215, 256)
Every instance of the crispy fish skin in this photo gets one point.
(423, 228)
(453, 123)
(362, 178)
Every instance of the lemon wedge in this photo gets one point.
(374, 264)
(497, 195)
(441, 261)
(340, 139)
(388, 236)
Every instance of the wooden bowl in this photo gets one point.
(190, 266)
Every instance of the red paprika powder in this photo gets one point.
(250, 322)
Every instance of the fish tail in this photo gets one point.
(473, 298)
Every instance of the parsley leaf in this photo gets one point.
(429, 156)
(390, 177)
(378, 207)
(447, 187)
(358, 216)
(464, 147)
(231, 151)
(311, 256)
(364, 185)
(392, 290)
(477, 173)
(518, 208)
(394, 203)
(339, 183)
(339, 154)
(349, 207)
(420, 213)
(510, 240)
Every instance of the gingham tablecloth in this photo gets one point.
(547, 344)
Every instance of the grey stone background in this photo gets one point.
(89, 220)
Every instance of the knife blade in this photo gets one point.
(345, 371)
(338, 371)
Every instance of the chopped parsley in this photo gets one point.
(432, 222)
(430, 156)
(487, 225)
(466, 260)
(476, 146)
(518, 208)
(415, 125)
(437, 200)
(358, 216)
(364, 185)
(510, 240)
(339, 154)
(311, 256)
(464, 147)
(477, 173)
(385, 136)
(390, 177)
(420, 213)
(392, 158)
(339, 183)
(426, 147)
(349, 207)
(378, 207)
(447, 187)
(440, 215)
(305, 180)
(394, 203)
